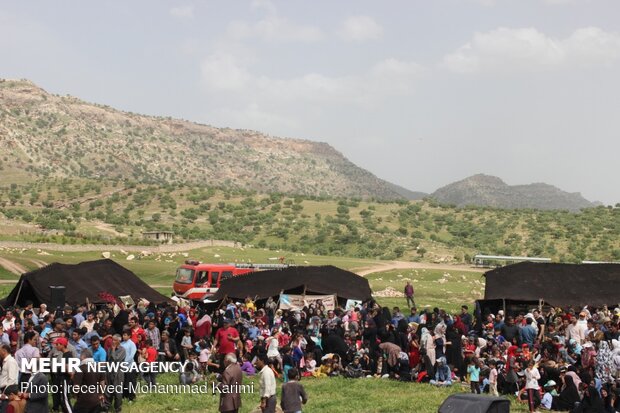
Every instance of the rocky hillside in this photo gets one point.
(485, 190)
(45, 135)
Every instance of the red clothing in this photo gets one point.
(138, 331)
(203, 331)
(225, 345)
(414, 356)
(283, 340)
(151, 355)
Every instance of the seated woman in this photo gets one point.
(443, 375)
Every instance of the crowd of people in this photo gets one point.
(549, 358)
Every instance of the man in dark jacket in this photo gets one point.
(168, 348)
(293, 393)
(87, 401)
(230, 386)
(36, 394)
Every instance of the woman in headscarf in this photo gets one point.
(428, 344)
(402, 338)
(440, 340)
(454, 353)
(414, 350)
(203, 327)
(605, 366)
(391, 353)
(591, 402)
(568, 395)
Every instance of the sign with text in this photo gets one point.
(297, 302)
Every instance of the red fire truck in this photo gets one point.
(198, 281)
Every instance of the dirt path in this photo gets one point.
(38, 263)
(133, 248)
(13, 267)
(108, 228)
(404, 265)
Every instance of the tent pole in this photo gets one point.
(19, 290)
(279, 295)
(504, 306)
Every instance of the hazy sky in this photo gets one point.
(421, 93)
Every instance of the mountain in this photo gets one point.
(485, 190)
(406, 193)
(46, 135)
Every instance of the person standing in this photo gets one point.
(474, 375)
(63, 378)
(230, 398)
(8, 374)
(36, 394)
(226, 339)
(130, 376)
(293, 393)
(29, 351)
(532, 375)
(493, 378)
(87, 378)
(267, 385)
(409, 295)
(116, 354)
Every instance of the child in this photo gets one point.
(474, 375)
(186, 343)
(547, 399)
(189, 376)
(293, 393)
(205, 354)
(247, 366)
(287, 362)
(493, 378)
(310, 365)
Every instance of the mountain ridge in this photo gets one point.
(488, 190)
(50, 135)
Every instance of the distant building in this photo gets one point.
(161, 236)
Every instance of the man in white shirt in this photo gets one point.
(27, 352)
(4, 337)
(575, 331)
(267, 385)
(9, 372)
(9, 321)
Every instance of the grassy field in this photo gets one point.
(325, 395)
(433, 288)
(159, 268)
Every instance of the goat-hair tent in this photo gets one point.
(554, 283)
(474, 403)
(296, 280)
(81, 281)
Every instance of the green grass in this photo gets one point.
(325, 395)
(462, 287)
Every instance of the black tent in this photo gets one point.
(474, 403)
(83, 280)
(296, 280)
(554, 283)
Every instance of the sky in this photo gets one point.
(421, 93)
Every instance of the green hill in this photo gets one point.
(87, 211)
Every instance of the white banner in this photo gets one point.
(297, 302)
